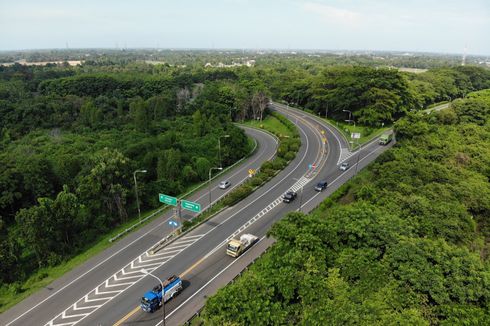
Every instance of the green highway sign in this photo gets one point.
(167, 199)
(191, 206)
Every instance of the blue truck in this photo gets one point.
(153, 299)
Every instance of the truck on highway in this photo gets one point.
(153, 299)
(236, 247)
(385, 138)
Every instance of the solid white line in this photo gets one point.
(120, 250)
(179, 245)
(132, 263)
(340, 176)
(167, 252)
(193, 236)
(199, 290)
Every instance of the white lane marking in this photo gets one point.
(340, 176)
(323, 123)
(112, 287)
(207, 283)
(245, 167)
(137, 263)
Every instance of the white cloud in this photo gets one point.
(333, 14)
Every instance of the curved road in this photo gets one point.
(41, 307)
(215, 269)
(109, 292)
(205, 260)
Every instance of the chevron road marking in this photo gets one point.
(115, 285)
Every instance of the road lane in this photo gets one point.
(45, 304)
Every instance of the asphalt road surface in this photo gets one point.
(108, 290)
(43, 306)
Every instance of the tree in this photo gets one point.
(106, 186)
(139, 111)
(259, 104)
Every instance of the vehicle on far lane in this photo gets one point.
(289, 196)
(344, 166)
(385, 138)
(236, 247)
(320, 186)
(224, 184)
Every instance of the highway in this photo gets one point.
(108, 289)
(41, 307)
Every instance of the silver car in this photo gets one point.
(344, 166)
(224, 184)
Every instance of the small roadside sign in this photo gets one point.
(167, 199)
(190, 206)
(355, 135)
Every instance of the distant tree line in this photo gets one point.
(70, 142)
(405, 242)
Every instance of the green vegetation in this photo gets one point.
(272, 124)
(405, 242)
(289, 144)
(70, 146)
(72, 137)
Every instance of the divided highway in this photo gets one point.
(107, 289)
(41, 307)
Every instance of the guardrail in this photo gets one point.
(160, 210)
(198, 313)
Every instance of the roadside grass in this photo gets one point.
(286, 133)
(367, 133)
(14, 293)
(271, 124)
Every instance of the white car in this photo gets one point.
(344, 166)
(224, 184)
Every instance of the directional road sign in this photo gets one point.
(191, 206)
(167, 199)
(355, 135)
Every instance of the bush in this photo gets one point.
(279, 163)
(290, 156)
(256, 181)
(237, 195)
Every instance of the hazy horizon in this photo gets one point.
(430, 26)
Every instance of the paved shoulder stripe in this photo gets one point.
(119, 282)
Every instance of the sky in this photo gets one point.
(442, 26)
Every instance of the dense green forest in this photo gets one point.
(70, 143)
(71, 137)
(407, 242)
(262, 58)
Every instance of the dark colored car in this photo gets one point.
(320, 186)
(289, 196)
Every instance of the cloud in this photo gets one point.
(333, 14)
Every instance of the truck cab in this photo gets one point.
(153, 299)
(385, 138)
(236, 247)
